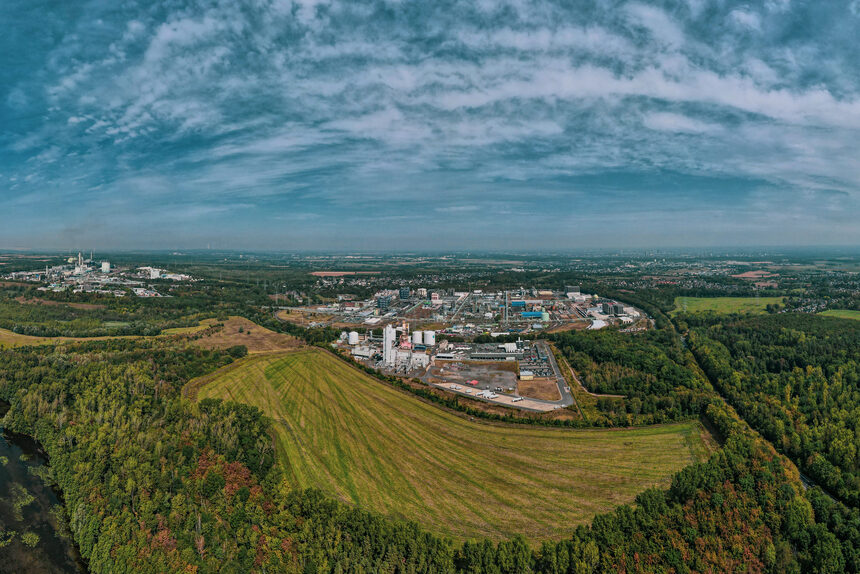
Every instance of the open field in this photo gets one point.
(842, 314)
(204, 324)
(724, 305)
(370, 444)
(241, 331)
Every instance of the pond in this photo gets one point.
(34, 536)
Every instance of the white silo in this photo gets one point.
(353, 338)
(389, 336)
(430, 338)
(417, 337)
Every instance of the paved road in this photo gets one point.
(563, 388)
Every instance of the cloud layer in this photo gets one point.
(332, 124)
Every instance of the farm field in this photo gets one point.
(359, 440)
(842, 314)
(724, 305)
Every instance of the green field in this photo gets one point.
(842, 314)
(367, 443)
(724, 304)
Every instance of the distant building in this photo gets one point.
(383, 302)
(571, 289)
(404, 292)
(422, 293)
(105, 266)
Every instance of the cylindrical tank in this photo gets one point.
(417, 337)
(430, 338)
(353, 338)
(544, 316)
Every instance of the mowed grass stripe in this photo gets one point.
(375, 446)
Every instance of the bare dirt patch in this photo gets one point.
(573, 326)
(241, 331)
(489, 374)
(544, 389)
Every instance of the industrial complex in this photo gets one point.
(470, 313)
(430, 335)
(86, 275)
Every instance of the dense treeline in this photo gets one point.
(656, 375)
(741, 511)
(154, 483)
(795, 378)
(61, 320)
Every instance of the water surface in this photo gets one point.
(29, 507)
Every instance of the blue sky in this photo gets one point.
(334, 124)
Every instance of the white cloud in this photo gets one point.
(663, 29)
(745, 19)
(670, 122)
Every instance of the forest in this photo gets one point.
(795, 378)
(655, 374)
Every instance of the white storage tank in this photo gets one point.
(353, 338)
(417, 337)
(430, 338)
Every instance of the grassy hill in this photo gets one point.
(724, 304)
(372, 445)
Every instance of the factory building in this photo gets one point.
(613, 308)
(421, 293)
(404, 293)
(383, 302)
(105, 266)
(389, 337)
